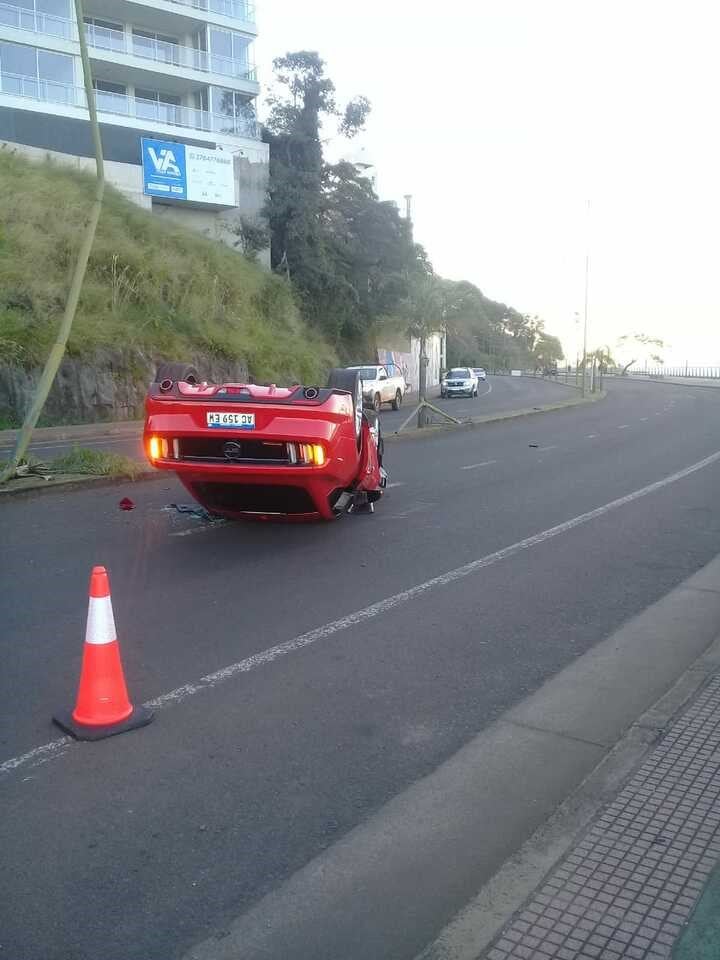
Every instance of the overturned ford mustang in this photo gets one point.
(267, 452)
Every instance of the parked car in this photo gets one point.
(480, 373)
(459, 382)
(379, 386)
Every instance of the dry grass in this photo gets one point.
(162, 289)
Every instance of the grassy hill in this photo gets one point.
(158, 289)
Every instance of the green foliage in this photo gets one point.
(351, 257)
(165, 291)
(348, 254)
(253, 237)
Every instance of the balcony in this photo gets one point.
(234, 9)
(117, 41)
(22, 19)
(136, 108)
(162, 51)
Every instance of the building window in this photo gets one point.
(228, 52)
(162, 107)
(156, 46)
(233, 112)
(111, 97)
(105, 34)
(40, 74)
(42, 16)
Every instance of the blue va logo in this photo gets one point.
(164, 162)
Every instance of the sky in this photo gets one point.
(535, 133)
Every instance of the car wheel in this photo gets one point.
(350, 382)
(177, 372)
(397, 402)
(377, 403)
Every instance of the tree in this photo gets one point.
(640, 340)
(350, 256)
(604, 358)
(547, 351)
(252, 236)
(347, 253)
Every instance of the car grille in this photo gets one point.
(223, 450)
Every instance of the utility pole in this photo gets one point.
(585, 323)
(585, 327)
(57, 352)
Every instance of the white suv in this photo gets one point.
(459, 382)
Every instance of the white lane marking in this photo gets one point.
(46, 751)
(643, 419)
(397, 483)
(489, 390)
(591, 436)
(376, 609)
(623, 426)
(474, 466)
(659, 413)
(553, 446)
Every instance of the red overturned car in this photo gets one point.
(266, 452)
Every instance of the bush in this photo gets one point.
(164, 290)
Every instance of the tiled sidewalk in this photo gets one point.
(629, 886)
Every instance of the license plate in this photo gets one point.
(231, 421)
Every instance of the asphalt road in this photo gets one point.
(140, 847)
(497, 395)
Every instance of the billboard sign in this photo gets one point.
(179, 171)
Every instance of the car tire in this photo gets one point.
(397, 402)
(350, 382)
(377, 403)
(177, 372)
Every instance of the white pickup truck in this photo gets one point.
(379, 386)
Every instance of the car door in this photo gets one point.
(386, 391)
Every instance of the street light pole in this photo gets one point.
(585, 324)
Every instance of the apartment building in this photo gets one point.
(175, 88)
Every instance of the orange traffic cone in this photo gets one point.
(102, 708)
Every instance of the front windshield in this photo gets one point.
(459, 373)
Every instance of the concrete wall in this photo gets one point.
(52, 138)
(251, 181)
(406, 355)
(111, 385)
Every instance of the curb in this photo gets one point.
(76, 432)
(473, 930)
(474, 422)
(38, 486)
(670, 383)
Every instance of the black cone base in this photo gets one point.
(140, 717)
